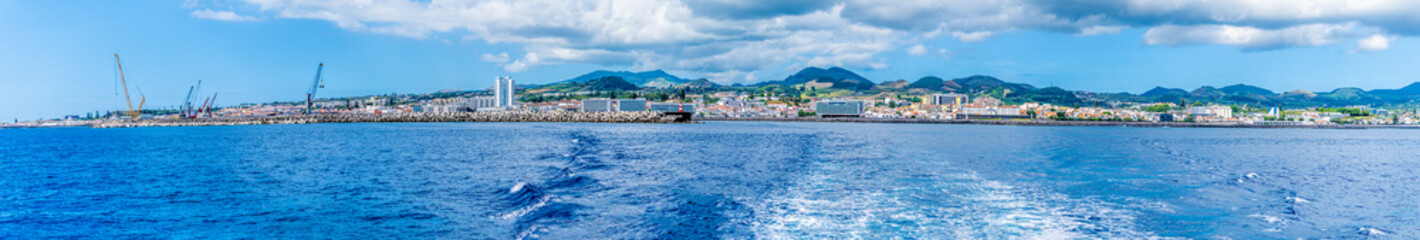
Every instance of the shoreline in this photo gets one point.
(1053, 123)
(602, 117)
(652, 117)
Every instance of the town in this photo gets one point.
(828, 94)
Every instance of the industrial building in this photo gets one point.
(839, 108)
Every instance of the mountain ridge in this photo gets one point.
(841, 79)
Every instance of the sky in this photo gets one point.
(56, 57)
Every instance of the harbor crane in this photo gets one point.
(187, 101)
(208, 107)
(316, 84)
(133, 113)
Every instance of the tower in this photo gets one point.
(503, 90)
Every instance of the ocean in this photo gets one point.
(724, 180)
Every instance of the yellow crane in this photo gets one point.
(143, 99)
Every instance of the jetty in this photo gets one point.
(509, 116)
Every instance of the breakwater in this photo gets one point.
(512, 116)
(1056, 123)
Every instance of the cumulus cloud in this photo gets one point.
(917, 50)
(500, 58)
(1251, 38)
(923, 50)
(734, 40)
(1250, 24)
(222, 16)
(1373, 43)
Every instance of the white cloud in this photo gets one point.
(500, 58)
(972, 36)
(923, 50)
(1251, 38)
(737, 39)
(1098, 30)
(917, 50)
(222, 16)
(1375, 42)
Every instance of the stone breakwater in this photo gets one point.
(603, 117)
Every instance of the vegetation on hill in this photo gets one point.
(933, 83)
(834, 82)
(814, 73)
(608, 83)
(701, 83)
(1161, 91)
(656, 78)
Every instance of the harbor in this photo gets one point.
(508, 116)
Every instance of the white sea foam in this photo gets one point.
(525, 210)
(1369, 231)
(827, 205)
(1268, 218)
(517, 187)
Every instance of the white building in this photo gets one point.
(1216, 111)
(503, 90)
(631, 105)
(613, 105)
(948, 99)
(457, 104)
(597, 105)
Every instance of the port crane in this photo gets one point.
(316, 84)
(133, 113)
(208, 106)
(187, 101)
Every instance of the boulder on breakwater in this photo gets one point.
(511, 116)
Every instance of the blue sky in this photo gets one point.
(56, 57)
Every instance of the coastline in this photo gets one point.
(602, 117)
(650, 117)
(1055, 123)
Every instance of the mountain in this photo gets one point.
(840, 83)
(1161, 91)
(1249, 94)
(657, 78)
(607, 83)
(1051, 95)
(1244, 89)
(1207, 92)
(1350, 96)
(980, 83)
(934, 83)
(699, 84)
(837, 79)
(814, 73)
(893, 85)
(1409, 90)
(1303, 94)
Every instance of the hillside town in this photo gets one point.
(814, 93)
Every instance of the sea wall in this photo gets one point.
(511, 116)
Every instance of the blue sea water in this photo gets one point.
(729, 180)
